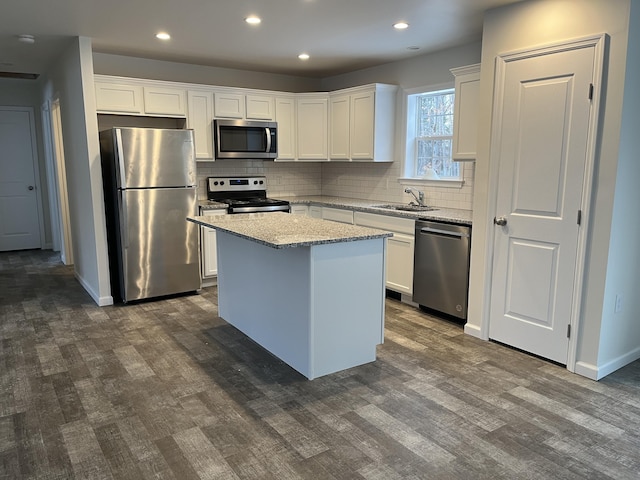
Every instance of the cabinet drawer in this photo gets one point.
(385, 222)
(337, 215)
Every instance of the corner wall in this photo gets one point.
(71, 80)
(535, 23)
(620, 331)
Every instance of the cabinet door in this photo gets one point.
(200, 105)
(465, 112)
(118, 97)
(400, 249)
(260, 107)
(164, 101)
(339, 115)
(228, 105)
(362, 126)
(209, 254)
(286, 118)
(311, 116)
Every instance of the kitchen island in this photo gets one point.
(309, 291)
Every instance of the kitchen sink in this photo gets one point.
(407, 208)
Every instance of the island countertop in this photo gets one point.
(282, 230)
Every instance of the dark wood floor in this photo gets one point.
(168, 390)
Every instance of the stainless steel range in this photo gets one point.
(244, 194)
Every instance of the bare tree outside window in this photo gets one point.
(434, 136)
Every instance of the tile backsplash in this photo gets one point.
(367, 181)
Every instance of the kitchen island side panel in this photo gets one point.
(347, 314)
(264, 293)
(320, 309)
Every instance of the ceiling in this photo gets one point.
(339, 35)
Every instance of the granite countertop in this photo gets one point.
(281, 230)
(451, 215)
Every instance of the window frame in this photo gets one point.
(409, 139)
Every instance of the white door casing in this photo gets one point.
(20, 216)
(543, 144)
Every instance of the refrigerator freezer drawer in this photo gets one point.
(159, 248)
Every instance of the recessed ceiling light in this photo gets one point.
(303, 56)
(163, 36)
(253, 20)
(400, 25)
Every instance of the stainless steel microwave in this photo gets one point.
(245, 139)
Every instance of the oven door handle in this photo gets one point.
(445, 233)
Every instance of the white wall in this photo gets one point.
(71, 80)
(620, 332)
(119, 65)
(25, 93)
(533, 23)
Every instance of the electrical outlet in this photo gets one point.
(618, 306)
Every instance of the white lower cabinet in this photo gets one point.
(209, 258)
(400, 248)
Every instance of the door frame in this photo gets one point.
(599, 43)
(36, 166)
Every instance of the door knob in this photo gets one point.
(502, 221)
(30, 187)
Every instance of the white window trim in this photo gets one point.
(441, 182)
(407, 179)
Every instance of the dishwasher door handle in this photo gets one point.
(446, 233)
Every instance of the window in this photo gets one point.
(430, 136)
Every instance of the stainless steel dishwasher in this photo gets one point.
(441, 267)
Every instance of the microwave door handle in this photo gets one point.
(267, 130)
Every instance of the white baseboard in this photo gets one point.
(586, 370)
(100, 301)
(618, 362)
(473, 330)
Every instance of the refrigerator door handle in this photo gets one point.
(121, 181)
(124, 220)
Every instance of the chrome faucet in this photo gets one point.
(419, 198)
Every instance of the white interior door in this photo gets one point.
(542, 146)
(19, 215)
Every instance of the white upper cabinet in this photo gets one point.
(113, 97)
(311, 120)
(229, 105)
(354, 124)
(285, 110)
(241, 106)
(339, 136)
(200, 108)
(260, 107)
(465, 114)
(164, 101)
(362, 123)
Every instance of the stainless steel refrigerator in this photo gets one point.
(150, 183)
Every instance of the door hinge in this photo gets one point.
(591, 91)
(579, 220)
(569, 331)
